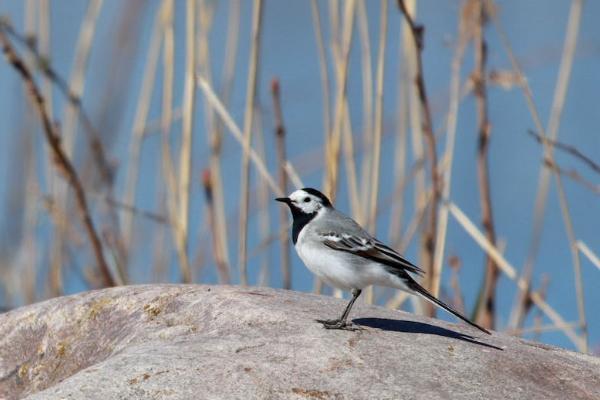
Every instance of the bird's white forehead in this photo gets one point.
(299, 195)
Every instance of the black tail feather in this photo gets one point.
(423, 292)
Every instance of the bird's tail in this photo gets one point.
(423, 292)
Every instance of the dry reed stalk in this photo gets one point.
(284, 248)
(222, 267)
(293, 175)
(486, 307)
(37, 37)
(588, 253)
(237, 134)
(457, 298)
(368, 127)
(511, 272)
(43, 42)
(61, 161)
(415, 223)
(538, 318)
(558, 103)
(77, 78)
(167, 114)
(160, 256)
(335, 45)
(334, 33)
(30, 221)
(316, 16)
(564, 206)
(397, 207)
(378, 123)
(378, 128)
(154, 126)
(409, 53)
(429, 236)
(332, 145)
(213, 125)
(265, 202)
(215, 157)
(247, 141)
(393, 198)
(341, 51)
(403, 243)
(350, 164)
(334, 28)
(347, 138)
(187, 130)
(544, 328)
(141, 115)
(397, 301)
(231, 48)
(464, 34)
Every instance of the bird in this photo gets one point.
(340, 252)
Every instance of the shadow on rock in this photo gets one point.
(394, 325)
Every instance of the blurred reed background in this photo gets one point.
(144, 141)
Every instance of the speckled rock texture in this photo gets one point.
(226, 342)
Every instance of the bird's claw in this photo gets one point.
(338, 324)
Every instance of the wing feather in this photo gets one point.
(371, 249)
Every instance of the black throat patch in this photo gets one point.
(300, 221)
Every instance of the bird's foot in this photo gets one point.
(338, 324)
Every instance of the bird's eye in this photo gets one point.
(306, 199)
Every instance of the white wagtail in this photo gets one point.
(336, 249)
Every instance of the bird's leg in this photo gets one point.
(341, 323)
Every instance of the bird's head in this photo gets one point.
(306, 201)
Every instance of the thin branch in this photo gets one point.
(572, 150)
(61, 161)
(574, 175)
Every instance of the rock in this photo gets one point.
(211, 342)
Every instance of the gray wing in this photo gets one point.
(370, 248)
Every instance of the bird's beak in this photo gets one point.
(285, 200)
